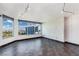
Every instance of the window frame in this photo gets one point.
(27, 26)
(12, 25)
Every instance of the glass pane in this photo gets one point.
(27, 27)
(7, 27)
(22, 27)
(31, 30)
(36, 29)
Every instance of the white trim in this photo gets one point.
(1, 20)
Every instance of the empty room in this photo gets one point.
(39, 29)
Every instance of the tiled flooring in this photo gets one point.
(39, 47)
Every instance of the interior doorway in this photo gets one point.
(66, 24)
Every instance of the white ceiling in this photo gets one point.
(38, 11)
(43, 11)
(11, 9)
(72, 7)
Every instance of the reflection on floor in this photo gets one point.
(39, 47)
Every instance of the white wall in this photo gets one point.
(54, 29)
(60, 29)
(73, 29)
(48, 29)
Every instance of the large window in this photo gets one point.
(7, 27)
(22, 27)
(28, 27)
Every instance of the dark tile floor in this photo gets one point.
(39, 47)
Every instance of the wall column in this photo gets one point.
(15, 27)
(1, 19)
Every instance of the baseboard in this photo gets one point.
(53, 39)
(62, 42)
(72, 43)
(20, 40)
(37, 38)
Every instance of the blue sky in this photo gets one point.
(22, 23)
(9, 24)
